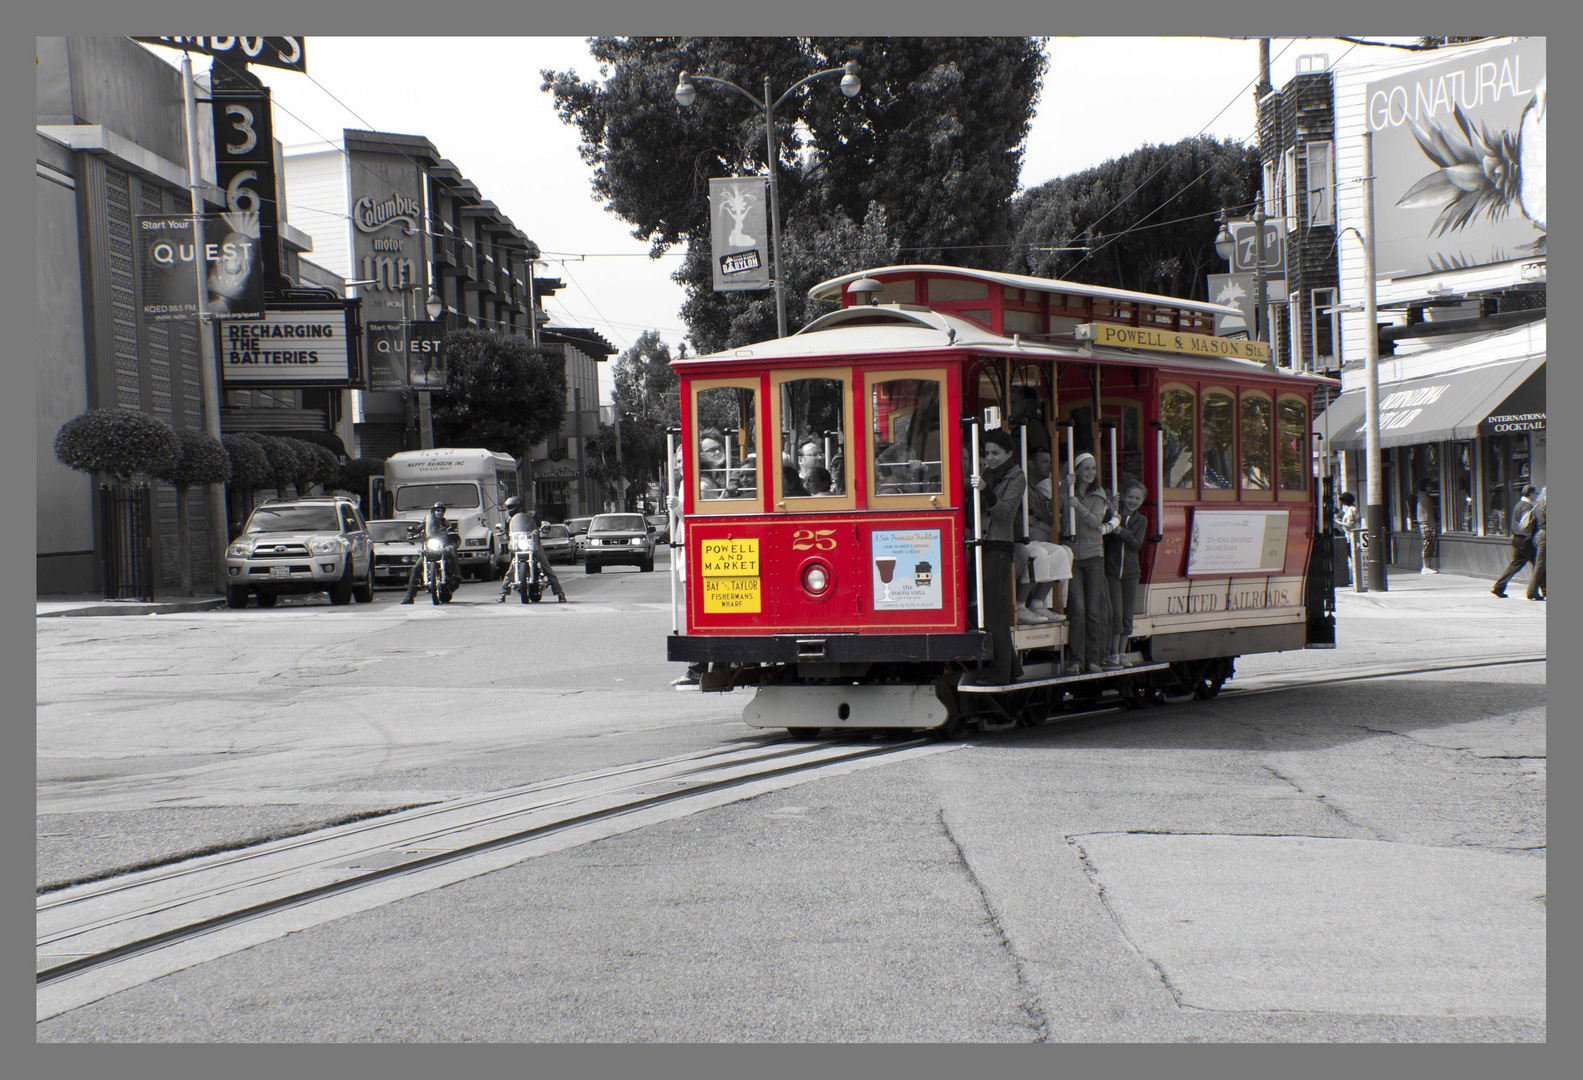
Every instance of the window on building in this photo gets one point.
(1271, 189)
(1423, 463)
(1177, 407)
(1506, 473)
(1321, 184)
(1258, 472)
(726, 444)
(1220, 447)
(1326, 329)
(1294, 456)
(1461, 510)
(1289, 187)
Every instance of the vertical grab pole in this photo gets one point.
(1071, 466)
(676, 518)
(1115, 469)
(1023, 431)
(978, 532)
(1159, 478)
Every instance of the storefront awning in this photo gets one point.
(1451, 405)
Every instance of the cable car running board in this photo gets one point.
(1056, 680)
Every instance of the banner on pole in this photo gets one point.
(167, 251)
(739, 232)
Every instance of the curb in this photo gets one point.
(126, 608)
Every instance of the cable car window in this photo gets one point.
(1220, 453)
(1295, 458)
(1178, 406)
(905, 419)
(1258, 421)
(727, 443)
(813, 437)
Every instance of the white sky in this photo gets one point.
(1101, 98)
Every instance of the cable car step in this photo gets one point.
(1032, 678)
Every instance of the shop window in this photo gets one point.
(726, 421)
(1220, 448)
(1423, 463)
(1461, 479)
(1177, 409)
(1506, 473)
(811, 415)
(1258, 472)
(906, 452)
(1294, 457)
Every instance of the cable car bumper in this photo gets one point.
(738, 649)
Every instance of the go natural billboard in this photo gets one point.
(1459, 162)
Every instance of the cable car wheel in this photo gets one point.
(1202, 678)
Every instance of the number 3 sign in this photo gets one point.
(244, 153)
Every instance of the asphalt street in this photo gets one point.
(1359, 861)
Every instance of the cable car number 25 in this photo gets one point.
(813, 540)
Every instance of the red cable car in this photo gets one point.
(828, 535)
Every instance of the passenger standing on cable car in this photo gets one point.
(1088, 600)
(1001, 483)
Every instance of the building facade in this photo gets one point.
(1459, 286)
(110, 147)
(400, 222)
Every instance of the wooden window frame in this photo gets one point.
(1206, 493)
(779, 503)
(1307, 463)
(1187, 494)
(1253, 494)
(690, 453)
(948, 474)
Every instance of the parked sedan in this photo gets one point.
(556, 541)
(396, 548)
(617, 539)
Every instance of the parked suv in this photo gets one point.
(301, 546)
(614, 539)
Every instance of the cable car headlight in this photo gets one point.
(816, 579)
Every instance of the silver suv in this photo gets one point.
(301, 546)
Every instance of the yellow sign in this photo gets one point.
(731, 595)
(730, 558)
(1173, 341)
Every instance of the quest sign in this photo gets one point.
(288, 348)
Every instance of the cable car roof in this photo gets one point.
(896, 331)
(834, 288)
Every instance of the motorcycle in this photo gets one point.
(523, 574)
(438, 578)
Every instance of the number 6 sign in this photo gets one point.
(244, 154)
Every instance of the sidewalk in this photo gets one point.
(56, 605)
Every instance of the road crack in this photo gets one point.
(1032, 1007)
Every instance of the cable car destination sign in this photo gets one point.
(1111, 335)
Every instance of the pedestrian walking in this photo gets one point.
(1429, 528)
(1536, 581)
(1524, 550)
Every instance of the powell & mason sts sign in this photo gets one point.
(1174, 341)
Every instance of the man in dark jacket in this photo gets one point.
(1523, 547)
(1000, 483)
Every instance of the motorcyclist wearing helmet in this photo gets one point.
(435, 524)
(523, 522)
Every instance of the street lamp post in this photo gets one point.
(850, 85)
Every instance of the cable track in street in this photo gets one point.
(97, 938)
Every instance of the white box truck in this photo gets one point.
(472, 483)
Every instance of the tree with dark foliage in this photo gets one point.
(504, 395)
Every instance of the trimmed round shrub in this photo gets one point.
(315, 464)
(283, 467)
(249, 466)
(120, 442)
(354, 474)
(203, 460)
